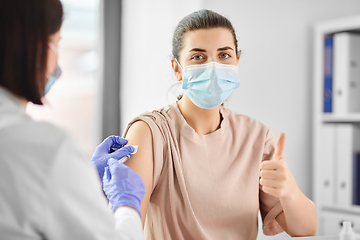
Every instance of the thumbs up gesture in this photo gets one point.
(275, 177)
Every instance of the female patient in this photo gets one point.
(208, 170)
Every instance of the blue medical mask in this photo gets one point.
(209, 85)
(53, 77)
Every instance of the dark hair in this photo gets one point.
(25, 29)
(203, 19)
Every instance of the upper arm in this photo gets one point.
(143, 161)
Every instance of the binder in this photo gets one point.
(347, 142)
(346, 73)
(328, 73)
(326, 182)
(354, 73)
(356, 179)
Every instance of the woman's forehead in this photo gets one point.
(208, 38)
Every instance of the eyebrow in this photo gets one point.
(203, 50)
(225, 48)
(197, 50)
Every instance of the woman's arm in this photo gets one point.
(143, 161)
(299, 215)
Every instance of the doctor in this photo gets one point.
(48, 189)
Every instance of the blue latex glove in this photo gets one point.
(104, 152)
(122, 186)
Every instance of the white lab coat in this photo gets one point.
(48, 189)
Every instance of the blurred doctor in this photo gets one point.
(48, 189)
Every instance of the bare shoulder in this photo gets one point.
(139, 134)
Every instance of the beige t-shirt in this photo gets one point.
(207, 186)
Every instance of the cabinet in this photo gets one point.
(328, 143)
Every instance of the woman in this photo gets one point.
(208, 170)
(48, 189)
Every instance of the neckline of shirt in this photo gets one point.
(190, 133)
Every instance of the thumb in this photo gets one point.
(112, 161)
(280, 146)
(112, 141)
(107, 175)
(122, 152)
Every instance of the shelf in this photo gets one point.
(351, 23)
(352, 209)
(326, 141)
(351, 118)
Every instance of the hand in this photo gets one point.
(275, 177)
(122, 186)
(104, 152)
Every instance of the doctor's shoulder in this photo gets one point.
(38, 139)
(38, 149)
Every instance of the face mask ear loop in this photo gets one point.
(179, 64)
(53, 48)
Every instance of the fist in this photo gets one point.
(275, 177)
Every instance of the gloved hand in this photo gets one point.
(104, 152)
(122, 186)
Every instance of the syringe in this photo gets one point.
(125, 158)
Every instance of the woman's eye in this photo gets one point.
(224, 55)
(197, 57)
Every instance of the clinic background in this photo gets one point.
(115, 58)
